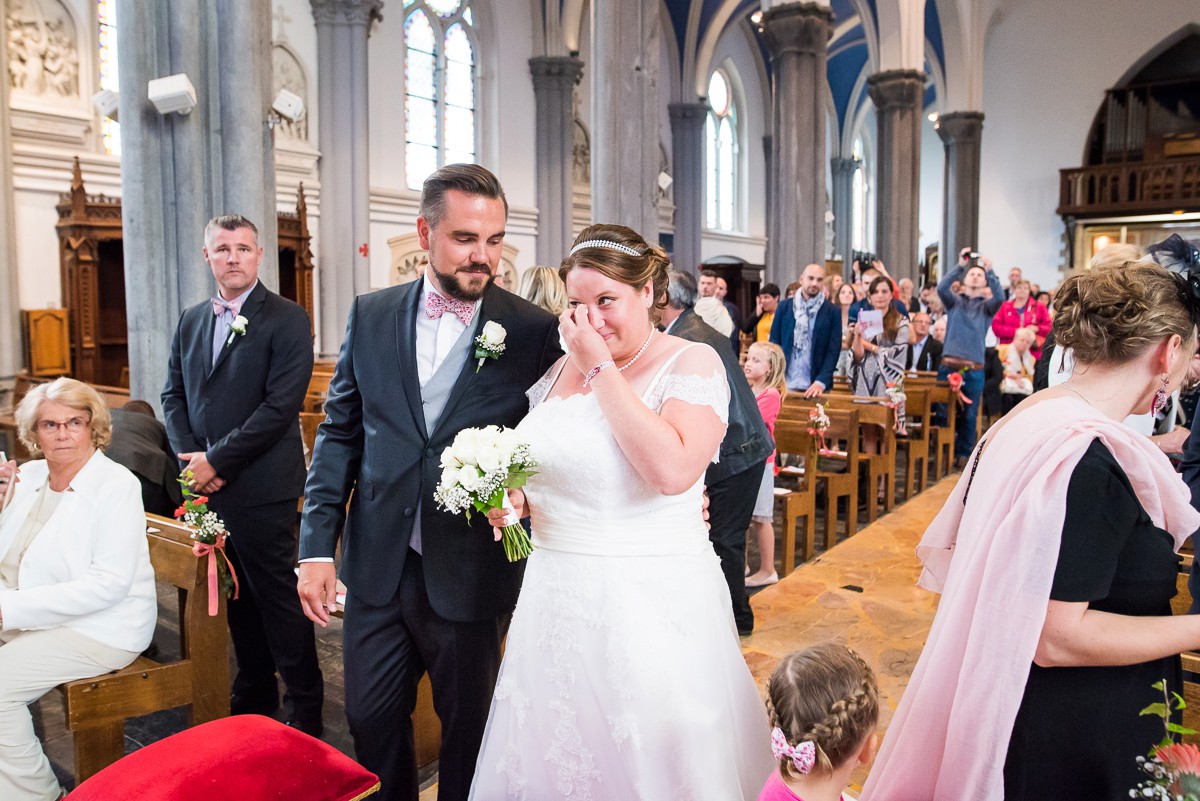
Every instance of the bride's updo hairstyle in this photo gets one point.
(633, 261)
(1111, 315)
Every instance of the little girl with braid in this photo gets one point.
(823, 704)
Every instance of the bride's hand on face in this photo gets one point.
(584, 344)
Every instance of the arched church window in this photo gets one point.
(439, 87)
(860, 199)
(110, 131)
(720, 133)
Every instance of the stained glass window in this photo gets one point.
(106, 13)
(439, 99)
(720, 134)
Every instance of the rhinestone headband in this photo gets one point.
(604, 243)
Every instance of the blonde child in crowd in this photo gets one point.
(765, 369)
(823, 704)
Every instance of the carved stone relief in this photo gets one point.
(43, 51)
(409, 260)
(287, 73)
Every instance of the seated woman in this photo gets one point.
(1056, 563)
(76, 587)
(1018, 371)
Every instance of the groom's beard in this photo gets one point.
(457, 289)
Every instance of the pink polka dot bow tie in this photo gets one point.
(803, 755)
(436, 306)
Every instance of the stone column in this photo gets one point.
(688, 166)
(897, 97)
(178, 171)
(554, 79)
(769, 203)
(247, 144)
(10, 304)
(962, 133)
(625, 114)
(343, 267)
(797, 35)
(843, 208)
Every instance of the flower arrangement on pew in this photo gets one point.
(210, 534)
(818, 425)
(477, 469)
(896, 396)
(1174, 768)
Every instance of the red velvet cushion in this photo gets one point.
(248, 757)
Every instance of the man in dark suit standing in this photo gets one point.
(427, 591)
(240, 365)
(809, 329)
(732, 483)
(924, 352)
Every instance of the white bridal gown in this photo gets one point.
(622, 677)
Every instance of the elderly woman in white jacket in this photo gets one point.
(76, 586)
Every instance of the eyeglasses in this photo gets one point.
(74, 425)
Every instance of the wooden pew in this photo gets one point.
(799, 500)
(915, 445)
(941, 437)
(318, 386)
(841, 437)
(1191, 659)
(875, 466)
(96, 708)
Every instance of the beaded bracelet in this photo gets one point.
(595, 371)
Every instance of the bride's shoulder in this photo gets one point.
(685, 356)
(541, 388)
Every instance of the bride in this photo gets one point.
(622, 676)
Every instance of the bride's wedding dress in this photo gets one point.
(622, 676)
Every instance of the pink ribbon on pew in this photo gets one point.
(202, 549)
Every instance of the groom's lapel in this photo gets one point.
(406, 349)
(490, 309)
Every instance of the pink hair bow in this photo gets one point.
(803, 756)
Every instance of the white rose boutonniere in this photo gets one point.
(236, 329)
(490, 343)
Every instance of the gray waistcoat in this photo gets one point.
(434, 395)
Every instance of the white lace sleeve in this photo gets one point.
(696, 376)
(538, 392)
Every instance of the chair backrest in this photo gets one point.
(919, 407)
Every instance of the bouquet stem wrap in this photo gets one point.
(220, 572)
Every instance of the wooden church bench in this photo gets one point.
(96, 708)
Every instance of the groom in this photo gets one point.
(427, 590)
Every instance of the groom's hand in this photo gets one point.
(317, 586)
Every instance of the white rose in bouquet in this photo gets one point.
(478, 468)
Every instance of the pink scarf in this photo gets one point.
(993, 561)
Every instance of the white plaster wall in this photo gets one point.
(292, 24)
(1046, 67)
(933, 172)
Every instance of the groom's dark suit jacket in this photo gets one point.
(374, 442)
(243, 408)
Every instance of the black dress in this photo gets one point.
(1078, 733)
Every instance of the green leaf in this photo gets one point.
(1159, 685)
(1155, 709)
(1175, 728)
(1179, 702)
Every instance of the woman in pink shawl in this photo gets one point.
(1055, 558)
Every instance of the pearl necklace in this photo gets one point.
(637, 355)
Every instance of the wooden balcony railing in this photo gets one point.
(1159, 187)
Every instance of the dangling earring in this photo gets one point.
(1160, 397)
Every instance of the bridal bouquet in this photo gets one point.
(477, 469)
(1174, 768)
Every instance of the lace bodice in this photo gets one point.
(586, 496)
